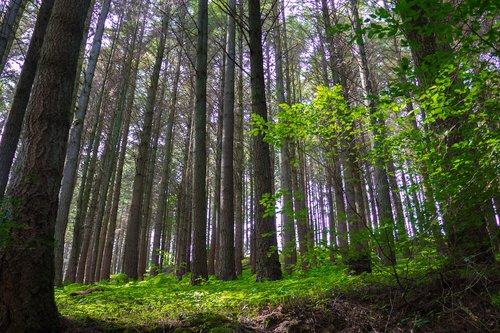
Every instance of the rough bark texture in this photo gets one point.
(238, 165)
(27, 254)
(199, 265)
(226, 269)
(266, 249)
(13, 125)
(287, 225)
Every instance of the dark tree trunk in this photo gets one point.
(199, 211)
(13, 125)
(27, 255)
(238, 165)
(266, 254)
(74, 144)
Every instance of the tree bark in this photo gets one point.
(27, 255)
(132, 236)
(75, 135)
(199, 263)
(266, 255)
(13, 125)
(165, 172)
(226, 244)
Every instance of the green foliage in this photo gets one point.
(163, 300)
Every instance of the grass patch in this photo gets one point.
(421, 296)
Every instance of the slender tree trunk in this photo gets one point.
(165, 172)
(266, 255)
(289, 246)
(27, 259)
(226, 248)
(132, 236)
(199, 211)
(13, 125)
(8, 29)
(182, 232)
(238, 164)
(71, 164)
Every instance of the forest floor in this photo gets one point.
(413, 297)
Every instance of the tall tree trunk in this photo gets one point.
(226, 231)
(13, 125)
(199, 211)
(75, 135)
(266, 255)
(289, 246)
(238, 164)
(132, 236)
(27, 256)
(182, 233)
(165, 172)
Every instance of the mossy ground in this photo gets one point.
(326, 299)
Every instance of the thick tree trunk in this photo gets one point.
(27, 256)
(266, 255)
(466, 229)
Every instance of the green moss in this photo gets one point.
(214, 306)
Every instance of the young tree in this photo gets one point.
(26, 248)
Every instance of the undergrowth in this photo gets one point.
(162, 302)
